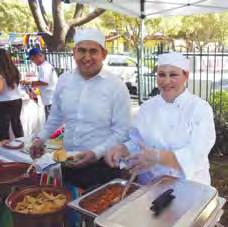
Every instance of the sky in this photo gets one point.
(47, 4)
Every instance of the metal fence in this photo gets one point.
(208, 75)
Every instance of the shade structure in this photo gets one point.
(146, 9)
(150, 9)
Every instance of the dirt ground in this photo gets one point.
(219, 172)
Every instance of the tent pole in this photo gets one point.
(141, 57)
(141, 53)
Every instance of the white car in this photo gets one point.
(125, 67)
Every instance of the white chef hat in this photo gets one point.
(174, 59)
(90, 34)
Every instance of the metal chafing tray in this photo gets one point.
(194, 205)
(77, 204)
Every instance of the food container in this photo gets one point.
(12, 174)
(107, 196)
(49, 219)
(194, 205)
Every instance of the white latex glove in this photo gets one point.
(143, 160)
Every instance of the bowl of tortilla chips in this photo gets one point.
(37, 206)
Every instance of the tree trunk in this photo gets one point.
(60, 31)
(54, 44)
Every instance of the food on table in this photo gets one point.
(60, 155)
(77, 157)
(54, 144)
(102, 200)
(44, 202)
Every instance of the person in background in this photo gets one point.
(10, 98)
(94, 107)
(173, 132)
(47, 78)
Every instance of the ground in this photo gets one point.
(219, 173)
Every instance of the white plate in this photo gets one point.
(13, 144)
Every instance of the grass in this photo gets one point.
(219, 173)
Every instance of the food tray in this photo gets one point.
(193, 204)
(94, 198)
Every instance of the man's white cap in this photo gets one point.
(174, 59)
(89, 34)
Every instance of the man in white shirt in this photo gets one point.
(174, 131)
(94, 105)
(47, 78)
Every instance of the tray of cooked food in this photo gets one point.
(168, 202)
(102, 198)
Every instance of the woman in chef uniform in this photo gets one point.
(173, 131)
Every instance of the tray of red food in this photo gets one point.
(102, 198)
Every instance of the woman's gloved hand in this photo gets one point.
(143, 160)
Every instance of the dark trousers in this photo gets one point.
(97, 173)
(47, 109)
(10, 112)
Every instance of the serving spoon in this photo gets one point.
(128, 185)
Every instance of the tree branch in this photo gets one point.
(43, 11)
(86, 19)
(78, 10)
(60, 27)
(40, 23)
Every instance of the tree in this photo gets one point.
(127, 27)
(198, 30)
(59, 30)
(15, 17)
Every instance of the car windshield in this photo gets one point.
(119, 60)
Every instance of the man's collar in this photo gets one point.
(103, 73)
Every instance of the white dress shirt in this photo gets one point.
(96, 112)
(47, 74)
(184, 127)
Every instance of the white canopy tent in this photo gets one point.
(151, 9)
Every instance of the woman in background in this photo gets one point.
(10, 98)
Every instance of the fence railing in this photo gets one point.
(208, 74)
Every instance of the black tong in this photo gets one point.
(162, 202)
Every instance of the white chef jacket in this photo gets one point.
(96, 112)
(184, 127)
(47, 74)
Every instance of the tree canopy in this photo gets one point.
(15, 17)
(58, 27)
